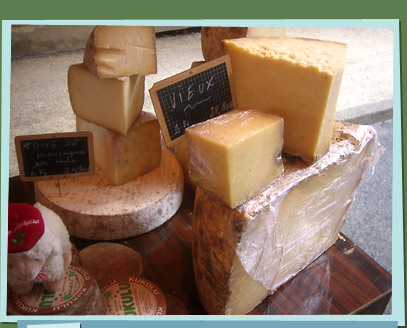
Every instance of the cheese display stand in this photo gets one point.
(240, 215)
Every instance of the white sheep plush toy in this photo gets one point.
(39, 250)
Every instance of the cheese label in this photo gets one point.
(40, 302)
(193, 96)
(133, 296)
(55, 155)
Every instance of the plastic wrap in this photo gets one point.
(274, 235)
(236, 154)
(304, 209)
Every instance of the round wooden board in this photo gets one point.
(94, 208)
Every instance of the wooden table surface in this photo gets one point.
(343, 280)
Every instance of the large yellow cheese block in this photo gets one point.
(235, 155)
(212, 36)
(297, 79)
(124, 158)
(112, 103)
(116, 51)
(241, 255)
(94, 208)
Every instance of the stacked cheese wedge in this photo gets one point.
(138, 183)
(256, 224)
(107, 96)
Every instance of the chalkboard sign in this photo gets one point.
(193, 96)
(55, 156)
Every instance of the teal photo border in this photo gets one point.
(367, 14)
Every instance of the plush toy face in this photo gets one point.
(26, 227)
(25, 266)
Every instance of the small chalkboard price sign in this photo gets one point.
(193, 96)
(55, 156)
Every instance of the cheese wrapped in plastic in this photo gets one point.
(242, 255)
(236, 154)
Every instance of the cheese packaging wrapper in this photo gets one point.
(295, 78)
(117, 51)
(236, 154)
(112, 103)
(241, 255)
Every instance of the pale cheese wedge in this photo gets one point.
(124, 158)
(112, 103)
(236, 154)
(117, 51)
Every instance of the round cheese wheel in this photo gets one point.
(131, 295)
(79, 295)
(109, 261)
(93, 208)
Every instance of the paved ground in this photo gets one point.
(40, 104)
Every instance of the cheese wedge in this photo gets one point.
(116, 51)
(242, 255)
(297, 79)
(112, 103)
(235, 155)
(212, 36)
(124, 158)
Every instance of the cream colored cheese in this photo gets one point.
(124, 158)
(117, 51)
(235, 155)
(112, 103)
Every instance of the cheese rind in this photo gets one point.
(236, 154)
(241, 255)
(180, 153)
(297, 79)
(124, 158)
(112, 103)
(117, 51)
